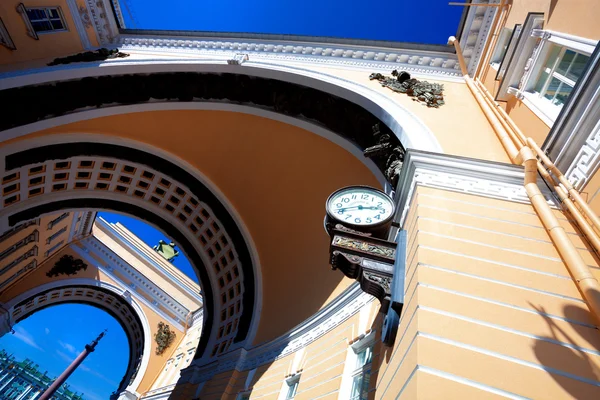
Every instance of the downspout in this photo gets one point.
(562, 179)
(586, 283)
(582, 222)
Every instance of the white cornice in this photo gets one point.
(334, 314)
(421, 62)
(460, 174)
(476, 33)
(92, 246)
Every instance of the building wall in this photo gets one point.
(572, 17)
(321, 365)
(45, 248)
(490, 308)
(49, 45)
(459, 125)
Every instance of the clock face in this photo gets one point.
(360, 206)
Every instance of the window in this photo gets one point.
(32, 237)
(362, 375)
(5, 39)
(55, 235)
(30, 253)
(53, 248)
(57, 220)
(501, 47)
(504, 52)
(558, 75)
(292, 386)
(46, 19)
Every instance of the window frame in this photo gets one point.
(359, 371)
(5, 38)
(292, 385)
(31, 31)
(504, 41)
(534, 100)
(350, 368)
(509, 53)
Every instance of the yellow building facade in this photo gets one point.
(231, 146)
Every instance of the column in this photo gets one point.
(22, 396)
(7, 382)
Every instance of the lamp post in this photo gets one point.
(89, 348)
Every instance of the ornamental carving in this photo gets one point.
(164, 337)
(431, 94)
(85, 16)
(67, 265)
(90, 56)
(364, 247)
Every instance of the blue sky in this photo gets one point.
(150, 236)
(418, 21)
(54, 336)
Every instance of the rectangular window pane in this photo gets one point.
(36, 14)
(552, 88)
(356, 387)
(562, 94)
(577, 67)
(552, 56)
(57, 24)
(565, 62)
(41, 26)
(53, 13)
(539, 85)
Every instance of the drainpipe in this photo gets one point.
(586, 283)
(507, 142)
(531, 143)
(521, 141)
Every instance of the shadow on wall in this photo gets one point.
(556, 357)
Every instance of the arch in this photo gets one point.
(406, 128)
(410, 131)
(105, 296)
(206, 231)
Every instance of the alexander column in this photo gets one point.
(89, 348)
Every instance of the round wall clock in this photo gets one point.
(361, 208)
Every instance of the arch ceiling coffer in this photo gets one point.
(106, 176)
(351, 121)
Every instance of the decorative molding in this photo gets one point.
(520, 57)
(79, 15)
(21, 9)
(460, 174)
(116, 4)
(476, 32)
(574, 140)
(84, 15)
(5, 39)
(419, 62)
(238, 59)
(102, 15)
(327, 319)
(93, 248)
(164, 337)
